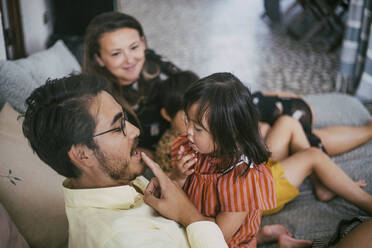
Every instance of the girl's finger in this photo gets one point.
(189, 172)
(186, 158)
(189, 164)
(180, 152)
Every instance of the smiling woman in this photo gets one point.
(115, 48)
(122, 52)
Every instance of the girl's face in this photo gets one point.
(199, 136)
(122, 52)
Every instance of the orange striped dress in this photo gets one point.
(213, 192)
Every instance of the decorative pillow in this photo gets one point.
(20, 77)
(29, 189)
(337, 109)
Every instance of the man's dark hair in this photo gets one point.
(58, 117)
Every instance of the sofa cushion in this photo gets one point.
(20, 77)
(29, 189)
(9, 234)
(337, 109)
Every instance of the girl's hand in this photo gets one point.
(183, 167)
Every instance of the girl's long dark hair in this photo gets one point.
(231, 116)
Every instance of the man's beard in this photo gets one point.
(116, 168)
(113, 167)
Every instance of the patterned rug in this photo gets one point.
(209, 36)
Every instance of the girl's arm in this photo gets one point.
(229, 222)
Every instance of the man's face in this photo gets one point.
(116, 154)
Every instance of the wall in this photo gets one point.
(2, 43)
(35, 31)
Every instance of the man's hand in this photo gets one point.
(167, 198)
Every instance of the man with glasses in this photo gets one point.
(78, 129)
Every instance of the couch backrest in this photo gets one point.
(20, 77)
(30, 190)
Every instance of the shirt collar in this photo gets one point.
(119, 197)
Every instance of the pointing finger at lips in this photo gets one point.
(155, 168)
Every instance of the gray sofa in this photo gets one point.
(31, 192)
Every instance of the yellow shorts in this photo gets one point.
(285, 191)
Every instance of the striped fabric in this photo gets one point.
(213, 192)
(355, 73)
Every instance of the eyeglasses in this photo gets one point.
(117, 129)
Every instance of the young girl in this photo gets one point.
(223, 165)
(169, 98)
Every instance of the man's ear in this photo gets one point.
(165, 115)
(99, 60)
(80, 155)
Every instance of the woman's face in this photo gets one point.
(122, 52)
(199, 136)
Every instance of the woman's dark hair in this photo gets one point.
(169, 93)
(231, 116)
(57, 117)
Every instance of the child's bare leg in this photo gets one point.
(286, 241)
(340, 139)
(271, 233)
(298, 166)
(286, 136)
(323, 193)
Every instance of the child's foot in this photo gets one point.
(271, 233)
(369, 125)
(324, 194)
(286, 241)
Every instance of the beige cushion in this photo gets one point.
(35, 202)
